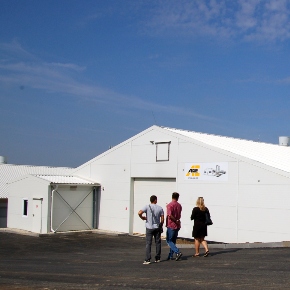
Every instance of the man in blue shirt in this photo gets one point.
(154, 217)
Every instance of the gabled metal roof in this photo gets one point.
(276, 156)
(10, 172)
(65, 179)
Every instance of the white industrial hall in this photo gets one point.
(245, 184)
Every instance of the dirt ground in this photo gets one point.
(93, 261)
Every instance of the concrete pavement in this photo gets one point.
(94, 261)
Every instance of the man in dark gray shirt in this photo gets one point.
(154, 221)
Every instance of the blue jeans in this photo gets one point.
(171, 236)
(150, 233)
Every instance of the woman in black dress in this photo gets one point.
(199, 227)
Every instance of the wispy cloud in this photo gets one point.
(13, 50)
(64, 78)
(284, 81)
(248, 20)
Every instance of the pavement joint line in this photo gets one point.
(283, 244)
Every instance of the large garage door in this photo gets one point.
(72, 208)
(143, 189)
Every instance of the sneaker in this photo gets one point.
(178, 256)
(157, 261)
(169, 258)
(146, 262)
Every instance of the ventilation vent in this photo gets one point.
(284, 141)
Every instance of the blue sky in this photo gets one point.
(79, 76)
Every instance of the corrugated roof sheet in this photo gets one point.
(10, 172)
(276, 156)
(61, 179)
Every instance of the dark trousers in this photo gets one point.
(150, 233)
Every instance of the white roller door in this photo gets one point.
(143, 189)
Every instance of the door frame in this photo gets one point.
(34, 199)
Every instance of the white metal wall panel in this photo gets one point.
(115, 206)
(264, 199)
(156, 170)
(144, 152)
(250, 174)
(188, 152)
(264, 196)
(268, 225)
(29, 187)
(115, 193)
(221, 199)
(108, 172)
(264, 209)
(112, 170)
(143, 189)
(119, 210)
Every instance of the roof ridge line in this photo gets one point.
(215, 135)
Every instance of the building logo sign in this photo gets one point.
(193, 171)
(217, 171)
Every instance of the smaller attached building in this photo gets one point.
(53, 203)
(10, 172)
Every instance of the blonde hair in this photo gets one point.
(200, 203)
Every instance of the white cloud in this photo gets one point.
(284, 81)
(248, 20)
(64, 78)
(68, 65)
(13, 49)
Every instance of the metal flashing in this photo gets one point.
(66, 179)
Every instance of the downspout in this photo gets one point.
(55, 187)
(237, 201)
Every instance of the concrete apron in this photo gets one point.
(215, 245)
(285, 244)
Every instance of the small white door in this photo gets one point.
(36, 215)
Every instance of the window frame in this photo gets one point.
(25, 207)
(168, 151)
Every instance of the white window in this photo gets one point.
(162, 151)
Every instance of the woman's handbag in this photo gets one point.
(208, 220)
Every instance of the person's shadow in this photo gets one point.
(224, 251)
(211, 254)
